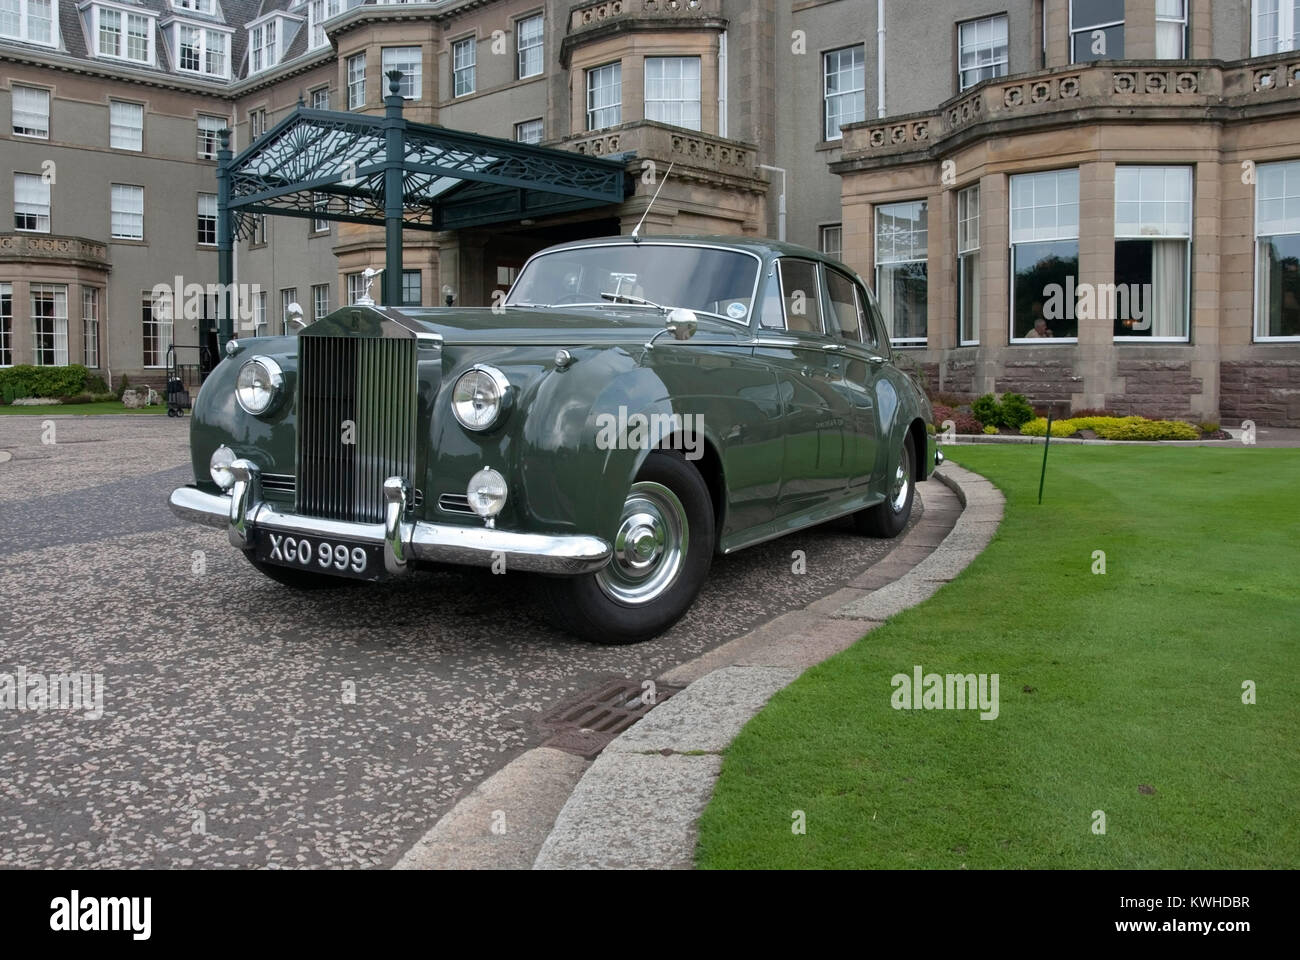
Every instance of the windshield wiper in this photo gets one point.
(638, 301)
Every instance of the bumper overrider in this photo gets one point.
(244, 514)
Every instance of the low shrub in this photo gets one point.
(1208, 426)
(89, 397)
(1127, 429)
(26, 380)
(1015, 410)
(965, 423)
(942, 412)
(1037, 427)
(990, 429)
(986, 409)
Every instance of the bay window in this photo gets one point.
(90, 326)
(1044, 255)
(1171, 29)
(605, 96)
(49, 324)
(1153, 241)
(356, 81)
(409, 61)
(672, 91)
(1274, 26)
(968, 265)
(902, 277)
(1096, 30)
(1277, 251)
(6, 324)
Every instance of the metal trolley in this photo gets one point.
(185, 378)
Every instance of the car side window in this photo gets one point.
(770, 316)
(873, 323)
(801, 295)
(844, 313)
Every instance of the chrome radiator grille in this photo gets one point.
(358, 390)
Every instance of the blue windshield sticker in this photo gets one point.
(736, 311)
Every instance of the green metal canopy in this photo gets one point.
(390, 172)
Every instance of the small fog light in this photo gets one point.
(487, 493)
(219, 467)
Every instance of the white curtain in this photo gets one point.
(1168, 307)
(885, 297)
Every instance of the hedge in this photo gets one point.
(25, 380)
(1114, 428)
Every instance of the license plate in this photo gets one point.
(339, 558)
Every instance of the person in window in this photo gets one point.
(1040, 329)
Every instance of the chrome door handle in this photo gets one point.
(876, 359)
(832, 347)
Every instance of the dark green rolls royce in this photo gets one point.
(632, 407)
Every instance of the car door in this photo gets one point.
(816, 412)
(855, 359)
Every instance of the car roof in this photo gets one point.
(761, 246)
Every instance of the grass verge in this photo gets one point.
(92, 409)
(1119, 692)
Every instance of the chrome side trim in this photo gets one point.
(566, 554)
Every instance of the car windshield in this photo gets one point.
(645, 275)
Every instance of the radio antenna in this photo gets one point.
(637, 229)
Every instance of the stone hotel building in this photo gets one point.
(1092, 201)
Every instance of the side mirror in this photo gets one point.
(682, 323)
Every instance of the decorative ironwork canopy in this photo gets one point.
(390, 172)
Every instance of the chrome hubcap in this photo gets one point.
(649, 547)
(902, 482)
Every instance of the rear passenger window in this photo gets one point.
(873, 324)
(800, 295)
(845, 315)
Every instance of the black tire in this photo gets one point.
(599, 606)
(297, 579)
(888, 518)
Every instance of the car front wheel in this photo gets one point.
(889, 517)
(662, 550)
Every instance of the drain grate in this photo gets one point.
(587, 724)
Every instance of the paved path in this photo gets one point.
(246, 726)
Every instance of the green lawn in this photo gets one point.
(1108, 683)
(63, 409)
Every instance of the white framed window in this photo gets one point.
(209, 135)
(156, 328)
(902, 270)
(288, 297)
(127, 206)
(672, 91)
(356, 81)
(605, 96)
(318, 11)
(530, 131)
(464, 55)
(90, 326)
(259, 231)
(1277, 251)
(259, 312)
(319, 201)
(263, 46)
(1044, 256)
(1171, 29)
(256, 123)
(412, 292)
(34, 21)
(981, 50)
(410, 61)
(830, 240)
(49, 324)
(198, 6)
(1096, 30)
(1274, 26)
(320, 98)
(31, 203)
(125, 125)
(1153, 255)
(6, 324)
(207, 218)
(320, 301)
(122, 35)
(968, 265)
(844, 98)
(356, 287)
(202, 51)
(31, 111)
(529, 60)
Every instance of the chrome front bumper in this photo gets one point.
(243, 512)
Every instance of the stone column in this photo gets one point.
(1207, 261)
(1095, 358)
(22, 323)
(1058, 32)
(1139, 29)
(995, 289)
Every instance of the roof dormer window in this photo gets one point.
(198, 6)
(200, 49)
(121, 33)
(268, 38)
(35, 21)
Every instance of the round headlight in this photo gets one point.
(219, 467)
(486, 492)
(258, 385)
(479, 396)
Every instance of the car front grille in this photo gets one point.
(356, 424)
